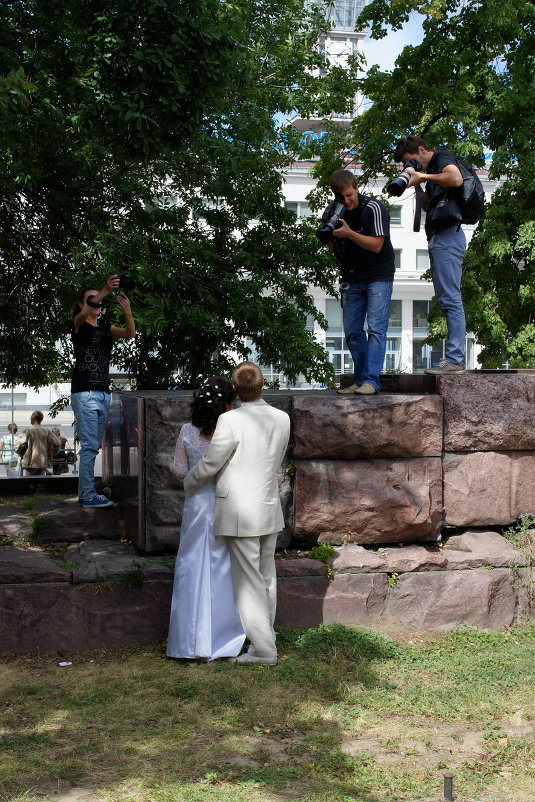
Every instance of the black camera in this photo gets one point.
(126, 282)
(398, 186)
(331, 219)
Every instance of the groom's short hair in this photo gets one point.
(248, 381)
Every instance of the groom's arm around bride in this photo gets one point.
(245, 454)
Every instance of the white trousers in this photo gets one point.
(253, 572)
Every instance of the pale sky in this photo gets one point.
(385, 51)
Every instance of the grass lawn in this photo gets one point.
(347, 714)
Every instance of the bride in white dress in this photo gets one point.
(204, 623)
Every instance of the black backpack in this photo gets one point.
(465, 204)
(471, 194)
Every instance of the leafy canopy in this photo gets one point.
(141, 136)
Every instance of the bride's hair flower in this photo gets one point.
(210, 401)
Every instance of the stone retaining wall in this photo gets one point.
(103, 593)
(475, 579)
(390, 468)
(412, 490)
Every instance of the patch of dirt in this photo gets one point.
(77, 795)
(274, 746)
(450, 745)
(58, 791)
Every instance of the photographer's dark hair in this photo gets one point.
(341, 179)
(409, 144)
(209, 402)
(77, 306)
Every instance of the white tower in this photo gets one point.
(341, 43)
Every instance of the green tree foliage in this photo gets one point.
(140, 136)
(469, 86)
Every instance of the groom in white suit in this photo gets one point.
(245, 454)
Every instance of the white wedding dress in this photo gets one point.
(204, 623)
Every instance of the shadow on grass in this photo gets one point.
(138, 726)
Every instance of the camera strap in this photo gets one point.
(418, 196)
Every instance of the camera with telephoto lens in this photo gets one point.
(398, 186)
(126, 282)
(331, 219)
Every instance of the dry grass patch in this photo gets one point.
(347, 715)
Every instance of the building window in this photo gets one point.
(300, 208)
(394, 319)
(18, 399)
(333, 313)
(420, 312)
(422, 260)
(341, 361)
(395, 215)
(345, 13)
(426, 356)
(397, 258)
(392, 355)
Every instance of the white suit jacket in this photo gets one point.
(245, 454)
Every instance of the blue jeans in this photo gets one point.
(91, 409)
(446, 253)
(370, 303)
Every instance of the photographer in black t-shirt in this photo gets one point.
(446, 241)
(90, 387)
(364, 252)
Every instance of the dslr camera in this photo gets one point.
(126, 282)
(331, 219)
(398, 186)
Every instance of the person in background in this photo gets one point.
(93, 340)
(7, 446)
(59, 461)
(36, 446)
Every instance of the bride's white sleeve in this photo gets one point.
(180, 462)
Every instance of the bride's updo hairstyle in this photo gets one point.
(209, 402)
(248, 380)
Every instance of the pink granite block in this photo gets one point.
(357, 427)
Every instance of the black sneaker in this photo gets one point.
(445, 367)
